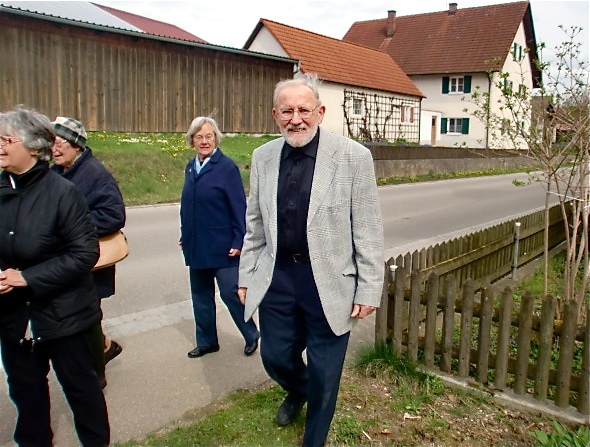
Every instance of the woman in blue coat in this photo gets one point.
(212, 219)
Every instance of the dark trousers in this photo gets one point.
(203, 296)
(72, 360)
(292, 320)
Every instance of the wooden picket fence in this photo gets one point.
(474, 331)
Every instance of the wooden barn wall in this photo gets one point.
(124, 83)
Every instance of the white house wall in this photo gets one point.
(451, 105)
(519, 74)
(264, 42)
(332, 97)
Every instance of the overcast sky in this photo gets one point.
(230, 22)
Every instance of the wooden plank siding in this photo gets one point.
(124, 82)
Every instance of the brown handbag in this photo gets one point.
(113, 248)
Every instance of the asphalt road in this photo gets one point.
(153, 384)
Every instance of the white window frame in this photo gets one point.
(357, 106)
(456, 84)
(407, 114)
(455, 126)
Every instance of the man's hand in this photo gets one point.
(361, 311)
(11, 278)
(242, 295)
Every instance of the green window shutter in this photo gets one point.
(465, 126)
(445, 84)
(443, 125)
(466, 84)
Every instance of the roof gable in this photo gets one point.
(468, 40)
(338, 61)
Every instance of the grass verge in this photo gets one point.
(383, 401)
(150, 166)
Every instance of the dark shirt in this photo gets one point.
(294, 190)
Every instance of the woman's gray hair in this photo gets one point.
(33, 128)
(198, 124)
(310, 80)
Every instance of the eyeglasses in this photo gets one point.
(208, 137)
(59, 142)
(6, 140)
(303, 112)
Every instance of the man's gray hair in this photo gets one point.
(198, 124)
(310, 80)
(33, 128)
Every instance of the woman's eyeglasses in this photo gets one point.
(6, 140)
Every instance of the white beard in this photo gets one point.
(299, 139)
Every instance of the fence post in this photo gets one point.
(431, 311)
(567, 340)
(466, 328)
(414, 316)
(485, 325)
(523, 349)
(381, 314)
(516, 248)
(584, 391)
(448, 323)
(503, 350)
(545, 343)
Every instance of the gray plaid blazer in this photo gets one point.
(344, 229)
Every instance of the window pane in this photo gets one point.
(455, 125)
(356, 106)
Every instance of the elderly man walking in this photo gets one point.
(312, 261)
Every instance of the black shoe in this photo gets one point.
(251, 348)
(290, 408)
(114, 350)
(200, 352)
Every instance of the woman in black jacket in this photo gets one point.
(49, 309)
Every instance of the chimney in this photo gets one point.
(452, 8)
(391, 23)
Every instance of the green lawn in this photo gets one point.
(150, 166)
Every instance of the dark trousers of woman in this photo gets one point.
(72, 360)
(292, 320)
(203, 296)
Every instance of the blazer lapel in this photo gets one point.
(271, 185)
(325, 168)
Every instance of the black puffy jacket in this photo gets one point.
(46, 232)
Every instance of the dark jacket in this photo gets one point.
(212, 213)
(46, 232)
(106, 205)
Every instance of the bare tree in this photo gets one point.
(553, 126)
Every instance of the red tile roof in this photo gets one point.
(470, 40)
(337, 61)
(151, 26)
